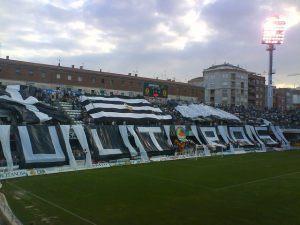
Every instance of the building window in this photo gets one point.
(0, 68)
(17, 71)
(69, 77)
(58, 76)
(30, 72)
(224, 93)
(111, 82)
(102, 81)
(43, 74)
(242, 84)
(79, 79)
(93, 79)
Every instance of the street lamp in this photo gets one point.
(273, 34)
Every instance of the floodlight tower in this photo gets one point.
(273, 34)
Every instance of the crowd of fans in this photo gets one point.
(251, 115)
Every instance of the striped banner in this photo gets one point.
(121, 108)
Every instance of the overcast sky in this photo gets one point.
(164, 38)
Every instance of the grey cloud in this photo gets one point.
(132, 24)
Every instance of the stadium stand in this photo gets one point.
(251, 115)
(55, 128)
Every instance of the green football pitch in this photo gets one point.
(256, 188)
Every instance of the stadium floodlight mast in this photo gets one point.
(273, 34)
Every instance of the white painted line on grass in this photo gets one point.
(53, 204)
(256, 181)
(173, 180)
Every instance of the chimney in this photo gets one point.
(81, 67)
(73, 66)
(7, 57)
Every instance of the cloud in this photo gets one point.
(292, 16)
(169, 38)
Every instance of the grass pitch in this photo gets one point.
(261, 188)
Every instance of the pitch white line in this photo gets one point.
(172, 180)
(54, 205)
(256, 181)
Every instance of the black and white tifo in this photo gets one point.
(122, 108)
(17, 102)
(37, 146)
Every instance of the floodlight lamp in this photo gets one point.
(274, 30)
